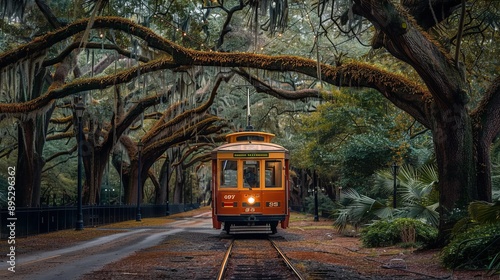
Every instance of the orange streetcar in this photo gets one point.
(250, 187)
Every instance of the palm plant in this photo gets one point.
(417, 192)
(476, 238)
(483, 212)
(360, 209)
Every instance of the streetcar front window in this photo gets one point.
(251, 174)
(229, 174)
(274, 173)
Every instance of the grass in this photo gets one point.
(313, 227)
(297, 217)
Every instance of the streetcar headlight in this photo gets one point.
(251, 200)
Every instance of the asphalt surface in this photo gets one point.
(73, 262)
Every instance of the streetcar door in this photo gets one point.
(251, 174)
(252, 192)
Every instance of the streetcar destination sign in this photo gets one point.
(243, 155)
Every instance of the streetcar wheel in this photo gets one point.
(274, 228)
(227, 227)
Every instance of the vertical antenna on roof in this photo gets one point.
(249, 116)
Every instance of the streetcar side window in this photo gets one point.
(229, 174)
(274, 173)
(251, 174)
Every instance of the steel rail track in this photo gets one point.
(225, 261)
(287, 261)
(220, 276)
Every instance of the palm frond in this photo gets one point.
(428, 174)
(407, 173)
(383, 212)
(426, 213)
(484, 212)
(412, 192)
(361, 209)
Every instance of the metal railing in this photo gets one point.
(32, 221)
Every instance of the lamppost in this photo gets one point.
(395, 170)
(121, 176)
(79, 108)
(315, 190)
(167, 212)
(139, 149)
(316, 212)
(108, 192)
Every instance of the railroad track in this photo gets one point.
(256, 259)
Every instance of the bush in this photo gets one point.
(325, 204)
(475, 248)
(404, 231)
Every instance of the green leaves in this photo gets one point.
(417, 192)
(391, 232)
(475, 248)
(360, 210)
(349, 135)
(483, 212)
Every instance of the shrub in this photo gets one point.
(475, 248)
(398, 231)
(325, 204)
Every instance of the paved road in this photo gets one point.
(75, 261)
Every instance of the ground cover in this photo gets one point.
(312, 245)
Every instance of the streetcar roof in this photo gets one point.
(249, 135)
(250, 141)
(250, 146)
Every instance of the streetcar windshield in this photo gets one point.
(229, 174)
(251, 172)
(273, 173)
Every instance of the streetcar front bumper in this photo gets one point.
(251, 218)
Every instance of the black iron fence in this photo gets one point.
(31, 221)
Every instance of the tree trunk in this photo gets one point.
(117, 162)
(31, 141)
(179, 184)
(30, 162)
(483, 166)
(486, 125)
(27, 168)
(127, 186)
(161, 194)
(453, 145)
(131, 193)
(94, 164)
(133, 182)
